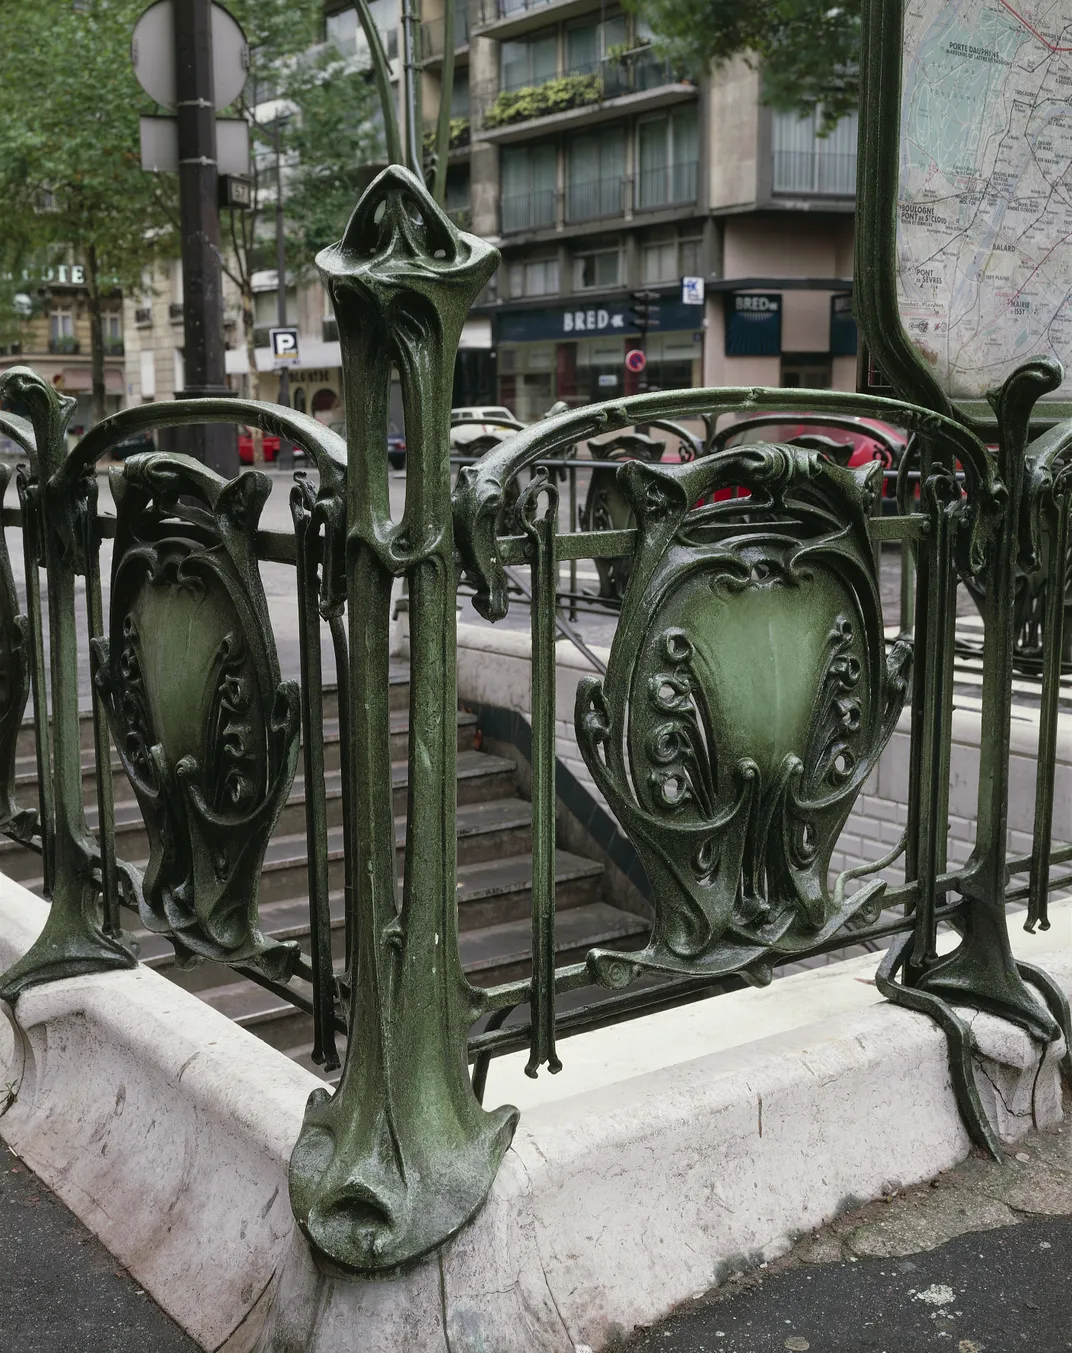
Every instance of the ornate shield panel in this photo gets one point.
(206, 731)
(747, 699)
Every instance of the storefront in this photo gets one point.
(577, 353)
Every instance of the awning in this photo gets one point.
(79, 379)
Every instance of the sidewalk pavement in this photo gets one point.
(977, 1261)
(60, 1289)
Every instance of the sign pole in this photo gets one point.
(285, 458)
(202, 275)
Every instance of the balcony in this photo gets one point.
(528, 211)
(669, 185)
(598, 197)
(633, 82)
(143, 316)
(508, 18)
(65, 345)
(814, 173)
(175, 312)
(432, 34)
(114, 347)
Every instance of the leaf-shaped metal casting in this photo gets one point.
(748, 697)
(20, 823)
(206, 730)
(402, 1155)
(73, 940)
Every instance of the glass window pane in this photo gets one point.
(544, 59)
(582, 49)
(652, 157)
(515, 64)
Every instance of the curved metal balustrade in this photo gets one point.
(749, 693)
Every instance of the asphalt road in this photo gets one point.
(60, 1289)
(1002, 1291)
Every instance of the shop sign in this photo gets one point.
(754, 324)
(608, 320)
(692, 291)
(843, 337)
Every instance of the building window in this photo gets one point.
(539, 277)
(528, 187)
(459, 94)
(112, 324)
(806, 371)
(587, 44)
(658, 262)
(532, 61)
(598, 269)
(61, 324)
(668, 157)
(691, 257)
(595, 170)
(345, 31)
(807, 163)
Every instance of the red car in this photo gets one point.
(847, 440)
(245, 446)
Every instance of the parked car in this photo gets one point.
(469, 423)
(396, 443)
(134, 445)
(845, 439)
(245, 446)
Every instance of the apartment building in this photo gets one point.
(54, 337)
(600, 171)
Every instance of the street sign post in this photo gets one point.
(284, 345)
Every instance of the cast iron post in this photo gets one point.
(202, 276)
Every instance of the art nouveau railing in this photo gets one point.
(749, 693)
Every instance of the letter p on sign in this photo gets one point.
(284, 344)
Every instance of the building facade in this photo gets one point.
(53, 336)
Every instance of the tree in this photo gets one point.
(808, 50)
(311, 111)
(70, 172)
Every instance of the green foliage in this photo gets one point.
(459, 135)
(330, 143)
(70, 172)
(553, 96)
(807, 49)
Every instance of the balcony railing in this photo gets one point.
(114, 347)
(528, 211)
(143, 316)
(598, 197)
(669, 185)
(64, 345)
(815, 172)
(632, 72)
(733, 815)
(432, 34)
(175, 312)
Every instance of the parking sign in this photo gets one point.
(284, 344)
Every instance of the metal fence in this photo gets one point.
(734, 813)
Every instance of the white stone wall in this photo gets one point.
(493, 668)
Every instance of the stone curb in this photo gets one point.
(167, 1130)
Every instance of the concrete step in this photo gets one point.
(482, 779)
(398, 699)
(491, 894)
(495, 954)
(131, 842)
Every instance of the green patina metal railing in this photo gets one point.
(749, 694)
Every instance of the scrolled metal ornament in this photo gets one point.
(402, 1155)
(747, 699)
(206, 730)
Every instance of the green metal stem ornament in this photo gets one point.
(401, 1155)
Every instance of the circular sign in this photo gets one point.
(152, 51)
(635, 360)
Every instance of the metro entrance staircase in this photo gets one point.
(494, 875)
